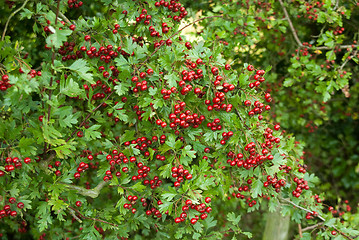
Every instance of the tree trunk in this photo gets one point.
(277, 226)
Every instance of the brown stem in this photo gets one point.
(11, 15)
(300, 230)
(312, 227)
(88, 116)
(290, 24)
(218, 16)
(94, 219)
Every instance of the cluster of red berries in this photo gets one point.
(254, 158)
(310, 215)
(144, 16)
(66, 51)
(81, 168)
(100, 230)
(12, 163)
(4, 83)
(10, 3)
(180, 174)
(57, 164)
(258, 77)
(143, 84)
(218, 101)
(155, 212)
(312, 9)
(225, 137)
(200, 208)
(301, 185)
(6, 211)
(184, 118)
(74, 3)
(138, 112)
(258, 108)
(154, 183)
(215, 125)
(338, 30)
(173, 6)
(286, 168)
(133, 201)
(167, 93)
(106, 54)
(277, 184)
(22, 227)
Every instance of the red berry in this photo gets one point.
(193, 221)
(27, 160)
(20, 205)
(78, 203)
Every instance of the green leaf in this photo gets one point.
(165, 206)
(57, 38)
(138, 187)
(232, 218)
(121, 88)
(256, 189)
(171, 79)
(71, 88)
(186, 151)
(81, 68)
(91, 133)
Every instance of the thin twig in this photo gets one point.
(11, 15)
(94, 219)
(312, 227)
(304, 209)
(290, 24)
(338, 46)
(217, 16)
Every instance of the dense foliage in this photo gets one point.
(174, 120)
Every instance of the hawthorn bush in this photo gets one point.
(115, 124)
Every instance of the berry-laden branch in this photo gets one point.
(318, 216)
(198, 20)
(89, 218)
(11, 15)
(93, 193)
